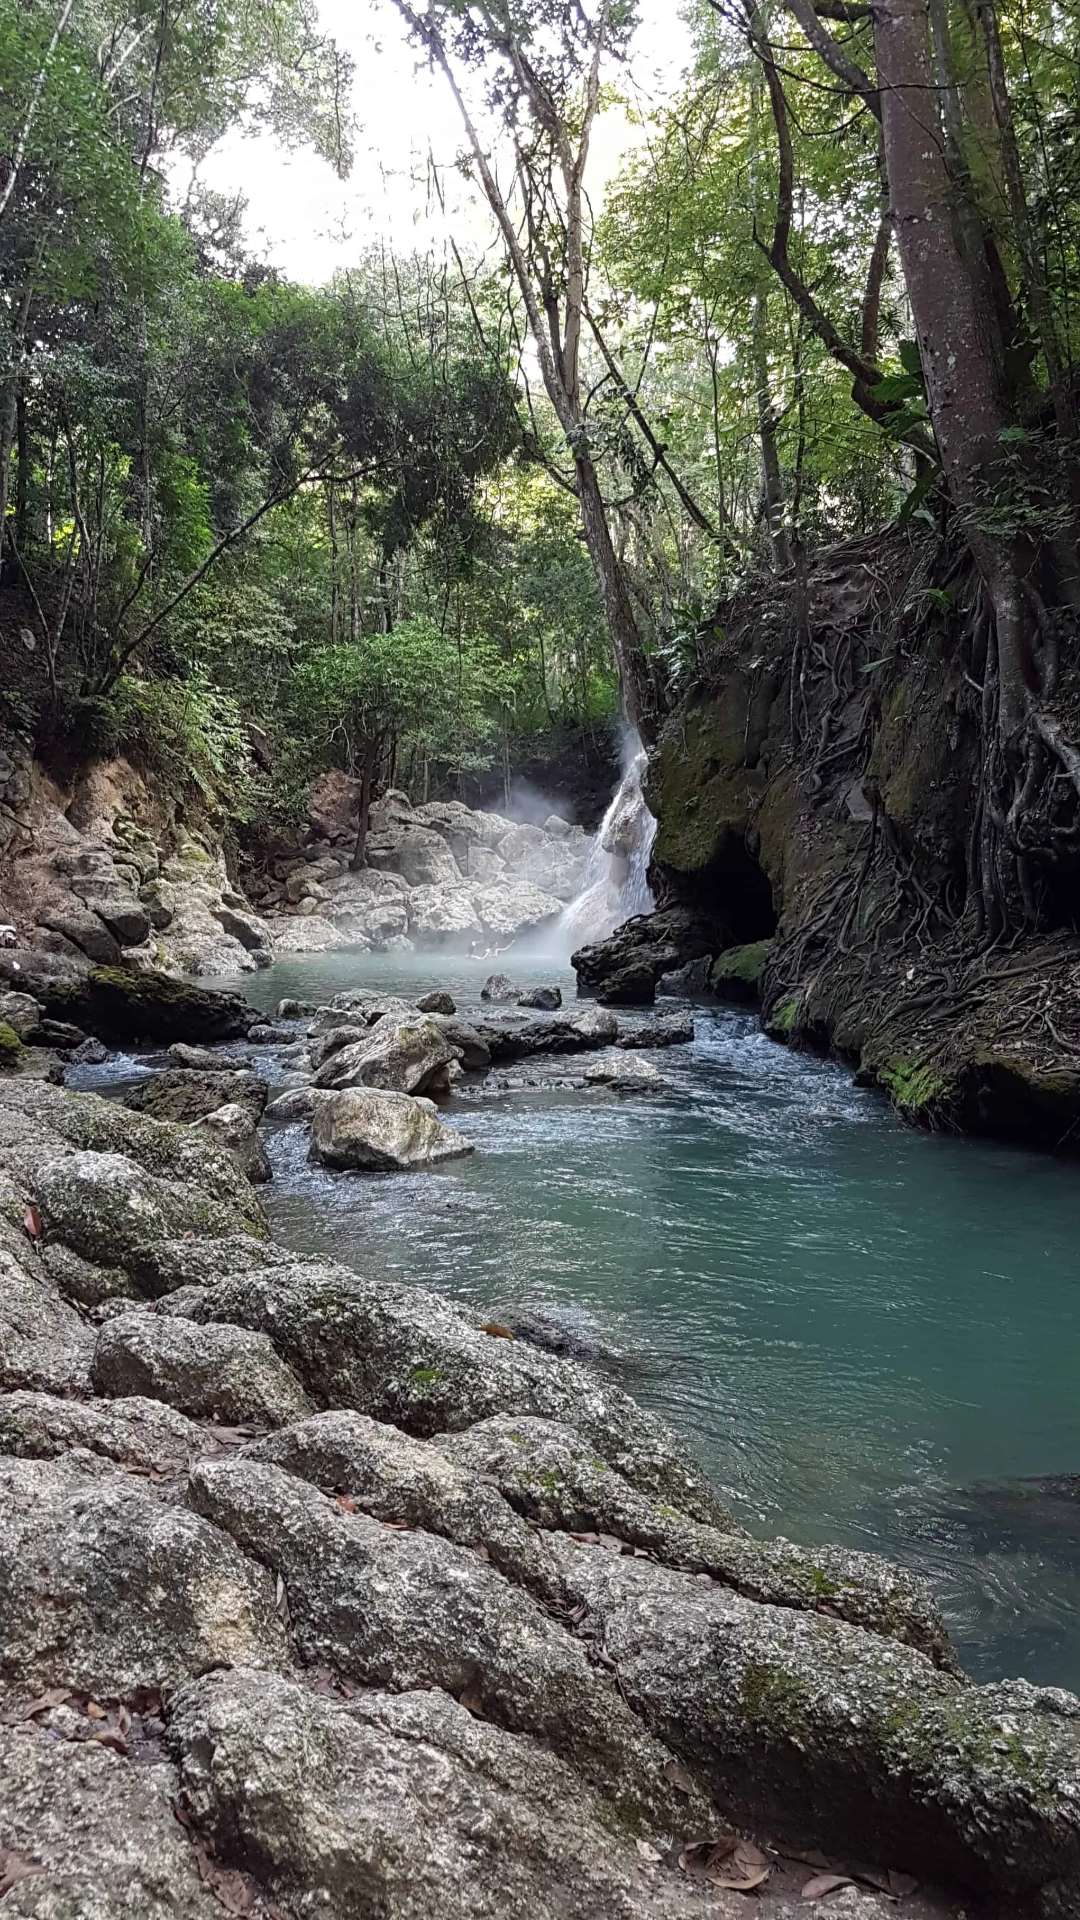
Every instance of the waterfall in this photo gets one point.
(615, 882)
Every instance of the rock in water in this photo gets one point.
(187, 1093)
(126, 1004)
(543, 999)
(375, 1131)
(408, 1057)
(499, 986)
(437, 1002)
(623, 970)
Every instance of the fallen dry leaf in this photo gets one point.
(55, 1697)
(94, 1712)
(110, 1737)
(346, 1501)
(702, 1858)
(746, 1869)
(824, 1883)
(646, 1851)
(496, 1331)
(13, 1868)
(227, 1886)
(678, 1776)
(32, 1223)
(472, 1699)
(610, 1542)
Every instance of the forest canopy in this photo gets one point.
(832, 289)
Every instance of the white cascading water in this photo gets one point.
(615, 884)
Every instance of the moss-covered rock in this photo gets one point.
(736, 975)
(128, 1004)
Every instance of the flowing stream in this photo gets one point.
(869, 1335)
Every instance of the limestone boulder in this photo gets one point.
(107, 1208)
(418, 1361)
(401, 1609)
(405, 1057)
(44, 1344)
(188, 1093)
(135, 1432)
(407, 1805)
(421, 857)
(105, 1588)
(466, 1039)
(443, 914)
(620, 1075)
(514, 907)
(129, 1004)
(222, 1373)
(97, 1834)
(369, 1130)
(234, 1128)
(407, 1482)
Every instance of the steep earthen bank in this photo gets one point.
(318, 1594)
(822, 785)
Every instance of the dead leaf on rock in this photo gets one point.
(590, 1539)
(347, 1503)
(227, 1886)
(497, 1330)
(32, 1223)
(702, 1858)
(472, 1699)
(610, 1542)
(646, 1851)
(746, 1869)
(56, 1697)
(109, 1737)
(678, 1776)
(13, 1868)
(94, 1712)
(824, 1883)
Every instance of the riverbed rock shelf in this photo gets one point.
(321, 1594)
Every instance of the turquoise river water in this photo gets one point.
(867, 1334)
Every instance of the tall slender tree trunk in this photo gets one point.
(956, 332)
(625, 639)
(772, 485)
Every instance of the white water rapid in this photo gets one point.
(615, 882)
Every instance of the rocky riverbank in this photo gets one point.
(324, 1594)
(817, 793)
(104, 874)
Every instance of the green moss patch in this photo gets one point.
(736, 975)
(912, 1085)
(11, 1048)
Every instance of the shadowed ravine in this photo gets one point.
(855, 1325)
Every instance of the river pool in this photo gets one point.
(867, 1334)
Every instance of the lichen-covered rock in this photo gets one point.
(835, 1738)
(43, 1342)
(737, 973)
(405, 1609)
(514, 907)
(99, 1833)
(185, 1094)
(106, 1208)
(376, 1132)
(202, 1059)
(164, 1267)
(416, 1360)
(409, 1057)
(208, 1372)
(519, 1040)
(235, 1130)
(442, 914)
(625, 1076)
(466, 1039)
(667, 1030)
(135, 1432)
(84, 1280)
(105, 1588)
(551, 1477)
(398, 1479)
(406, 1806)
(35, 1120)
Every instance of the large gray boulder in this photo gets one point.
(419, 1362)
(551, 1477)
(405, 1057)
(370, 1131)
(185, 1093)
(443, 914)
(404, 1609)
(44, 1344)
(838, 1739)
(135, 1432)
(234, 1128)
(411, 1483)
(466, 1039)
(407, 1806)
(422, 857)
(208, 1372)
(106, 1589)
(98, 1834)
(107, 1208)
(513, 907)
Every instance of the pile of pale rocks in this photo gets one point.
(380, 1071)
(322, 1595)
(442, 874)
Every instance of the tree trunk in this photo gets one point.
(772, 485)
(956, 333)
(625, 639)
(367, 782)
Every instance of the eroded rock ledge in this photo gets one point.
(316, 1598)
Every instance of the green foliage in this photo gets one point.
(190, 732)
